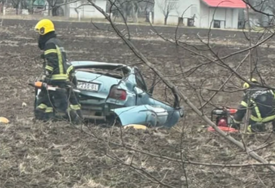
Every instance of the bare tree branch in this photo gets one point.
(185, 98)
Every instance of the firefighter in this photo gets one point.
(55, 73)
(262, 104)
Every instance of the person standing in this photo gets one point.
(55, 74)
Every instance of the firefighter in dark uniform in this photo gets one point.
(55, 74)
(262, 104)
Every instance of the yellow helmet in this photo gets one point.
(246, 85)
(44, 26)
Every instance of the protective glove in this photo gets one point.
(42, 56)
(46, 79)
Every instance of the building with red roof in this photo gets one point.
(199, 13)
(225, 3)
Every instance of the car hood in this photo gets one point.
(105, 83)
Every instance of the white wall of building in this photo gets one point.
(235, 18)
(229, 15)
(181, 10)
(229, 18)
(86, 11)
(218, 14)
(205, 19)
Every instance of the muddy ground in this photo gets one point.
(36, 154)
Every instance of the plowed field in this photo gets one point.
(36, 154)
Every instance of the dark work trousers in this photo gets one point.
(258, 126)
(51, 103)
(75, 107)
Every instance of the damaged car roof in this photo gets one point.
(89, 64)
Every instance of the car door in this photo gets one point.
(142, 97)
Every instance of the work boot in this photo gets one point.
(79, 113)
(39, 114)
(74, 118)
(49, 116)
(257, 127)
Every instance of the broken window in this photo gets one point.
(139, 80)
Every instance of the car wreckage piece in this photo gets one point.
(143, 114)
(112, 89)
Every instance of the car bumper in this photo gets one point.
(97, 111)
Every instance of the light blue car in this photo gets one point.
(110, 91)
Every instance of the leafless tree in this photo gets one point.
(262, 11)
(54, 6)
(17, 4)
(125, 9)
(167, 6)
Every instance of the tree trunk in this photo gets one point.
(165, 19)
(135, 12)
(147, 19)
(135, 15)
(49, 10)
(125, 15)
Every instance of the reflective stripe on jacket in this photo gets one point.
(55, 57)
(71, 74)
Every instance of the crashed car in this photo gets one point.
(110, 91)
